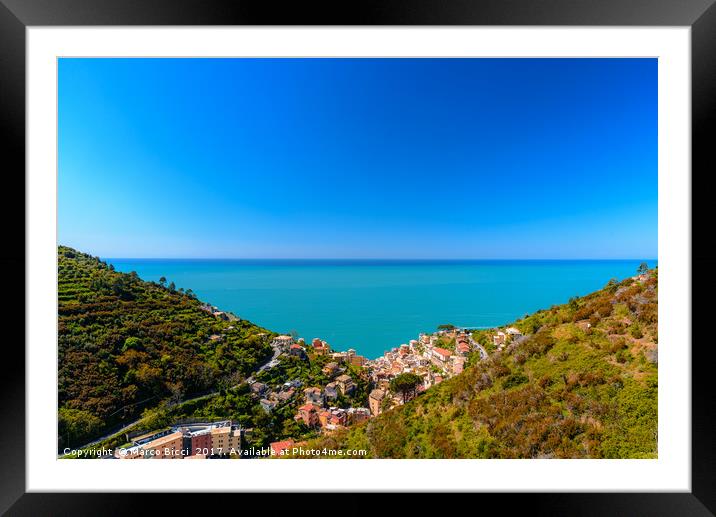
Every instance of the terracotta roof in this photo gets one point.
(443, 352)
(277, 447)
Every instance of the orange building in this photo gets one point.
(309, 414)
(166, 447)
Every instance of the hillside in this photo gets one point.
(126, 345)
(582, 383)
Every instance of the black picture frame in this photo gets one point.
(17, 15)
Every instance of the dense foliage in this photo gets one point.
(581, 384)
(126, 345)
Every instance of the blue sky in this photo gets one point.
(358, 158)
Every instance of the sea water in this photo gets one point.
(375, 305)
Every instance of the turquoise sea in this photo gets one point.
(374, 305)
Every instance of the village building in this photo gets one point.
(279, 448)
(338, 418)
(323, 417)
(314, 396)
(308, 413)
(267, 405)
(282, 342)
(286, 395)
(513, 333)
(345, 384)
(297, 351)
(462, 347)
(358, 360)
(169, 446)
(225, 441)
(441, 355)
(339, 357)
(458, 365)
(197, 442)
(331, 391)
(356, 415)
(375, 399)
(258, 388)
(320, 347)
(330, 369)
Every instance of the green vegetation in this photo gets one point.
(583, 384)
(127, 345)
(406, 385)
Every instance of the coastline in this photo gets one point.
(373, 305)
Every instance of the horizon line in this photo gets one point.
(379, 258)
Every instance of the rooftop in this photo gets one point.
(277, 447)
(164, 440)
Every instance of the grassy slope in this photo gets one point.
(123, 340)
(568, 391)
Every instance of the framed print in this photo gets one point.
(451, 247)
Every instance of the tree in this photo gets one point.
(643, 268)
(132, 343)
(172, 287)
(155, 418)
(573, 303)
(612, 285)
(163, 281)
(75, 425)
(406, 384)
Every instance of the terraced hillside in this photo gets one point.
(126, 345)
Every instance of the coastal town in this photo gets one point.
(320, 408)
(315, 389)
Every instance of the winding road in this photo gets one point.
(475, 344)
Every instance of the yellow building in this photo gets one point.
(225, 441)
(235, 442)
(375, 400)
(220, 440)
